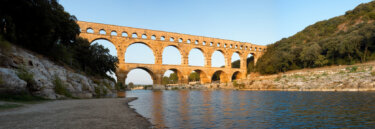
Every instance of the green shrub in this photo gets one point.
(235, 84)
(4, 45)
(97, 92)
(373, 73)
(352, 69)
(60, 87)
(120, 87)
(25, 75)
(1, 79)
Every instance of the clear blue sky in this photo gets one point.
(259, 22)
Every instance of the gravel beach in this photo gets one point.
(108, 113)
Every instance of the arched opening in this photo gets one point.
(144, 36)
(236, 60)
(162, 38)
(124, 34)
(236, 75)
(211, 43)
(196, 57)
(218, 44)
(188, 41)
(198, 77)
(134, 35)
(225, 45)
(139, 53)
(112, 51)
(180, 40)
(171, 39)
(172, 76)
(196, 42)
(113, 33)
(218, 59)
(90, 30)
(171, 56)
(102, 32)
(204, 43)
(139, 76)
(153, 37)
(219, 77)
(250, 63)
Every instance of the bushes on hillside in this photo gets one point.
(44, 27)
(345, 39)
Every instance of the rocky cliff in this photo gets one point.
(25, 71)
(360, 77)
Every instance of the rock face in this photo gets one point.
(346, 78)
(44, 73)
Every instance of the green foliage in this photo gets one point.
(236, 64)
(172, 79)
(27, 76)
(44, 27)
(235, 84)
(4, 44)
(338, 41)
(97, 92)
(131, 85)
(194, 76)
(373, 73)
(120, 87)
(352, 69)
(60, 87)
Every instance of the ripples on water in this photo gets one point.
(255, 109)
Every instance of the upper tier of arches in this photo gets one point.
(128, 32)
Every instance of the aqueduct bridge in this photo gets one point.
(122, 37)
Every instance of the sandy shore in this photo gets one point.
(78, 114)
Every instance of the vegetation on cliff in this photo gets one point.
(44, 27)
(346, 39)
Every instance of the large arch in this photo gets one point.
(203, 78)
(219, 76)
(218, 59)
(171, 55)
(177, 72)
(236, 75)
(134, 74)
(236, 60)
(139, 52)
(198, 55)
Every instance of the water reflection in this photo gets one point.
(256, 109)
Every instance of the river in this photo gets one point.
(255, 109)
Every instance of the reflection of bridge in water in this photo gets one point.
(122, 37)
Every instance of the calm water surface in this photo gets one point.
(255, 109)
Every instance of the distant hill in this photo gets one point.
(345, 39)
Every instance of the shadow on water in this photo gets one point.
(255, 109)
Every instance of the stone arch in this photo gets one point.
(144, 36)
(134, 35)
(203, 54)
(163, 54)
(179, 74)
(218, 61)
(202, 75)
(102, 38)
(236, 75)
(143, 43)
(151, 73)
(113, 33)
(236, 63)
(90, 30)
(102, 32)
(124, 34)
(219, 76)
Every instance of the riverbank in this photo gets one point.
(83, 113)
(358, 77)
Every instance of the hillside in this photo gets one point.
(345, 39)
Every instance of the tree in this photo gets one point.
(131, 85)
(194, 76)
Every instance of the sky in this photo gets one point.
(259, 22)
